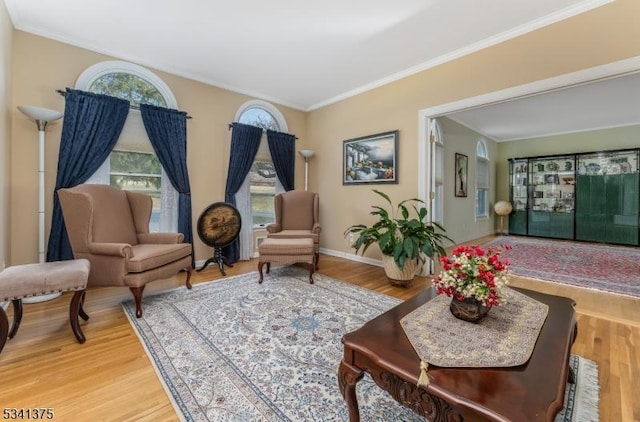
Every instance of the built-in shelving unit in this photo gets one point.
(588, 196)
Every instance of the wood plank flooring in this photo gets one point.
(110, 377)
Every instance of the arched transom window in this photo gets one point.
(133, 164)
(263, 183)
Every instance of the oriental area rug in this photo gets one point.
(613, 269)
(236, 350)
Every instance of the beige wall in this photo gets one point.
(6, 37)
(459, 217)
(41, 66)
(603, 35)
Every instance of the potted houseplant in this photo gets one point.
(403, 236)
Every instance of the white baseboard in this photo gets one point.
(352, 257)
(422, 270)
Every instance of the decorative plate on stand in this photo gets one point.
(218, 226)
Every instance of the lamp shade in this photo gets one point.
(502, 207)
(41, 113)
(306, 153)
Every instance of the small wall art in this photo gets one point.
(462, 167)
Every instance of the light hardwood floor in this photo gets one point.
(111, 378)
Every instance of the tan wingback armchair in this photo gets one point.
(297, 217)
(110, 227)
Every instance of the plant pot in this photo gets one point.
(471, 310)
(396, 276)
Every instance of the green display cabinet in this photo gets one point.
(518, 188)
(518, 222)
(607, 200)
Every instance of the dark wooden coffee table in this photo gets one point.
(530, 392)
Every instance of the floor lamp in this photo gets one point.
(306, 153)
(42, 116)
(502, 208)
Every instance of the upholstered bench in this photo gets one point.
(21, 281)
(287, 251)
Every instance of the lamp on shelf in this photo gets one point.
(306, 154)
(42, 116)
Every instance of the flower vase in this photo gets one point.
(469, 309)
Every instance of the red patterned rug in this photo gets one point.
(613, 269)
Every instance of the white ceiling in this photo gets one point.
(296, 53)
(612, 102)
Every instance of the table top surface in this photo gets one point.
(533, 391)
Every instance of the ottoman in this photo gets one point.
(20, 281)
(287, 251)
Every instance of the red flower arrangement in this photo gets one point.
(472, 272)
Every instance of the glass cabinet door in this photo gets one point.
(518, 185)
(607, 197)
(552, 196)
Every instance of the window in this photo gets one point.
(263, 183)
(133, 165)
(482, 181)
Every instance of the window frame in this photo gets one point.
(282, 127)
(482, 160)
(84, 82)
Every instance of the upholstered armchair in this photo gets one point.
(110, 227)
(297, 217)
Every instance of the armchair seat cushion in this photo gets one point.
(148, 256)
(295, 234)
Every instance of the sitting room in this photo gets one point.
(209, 120)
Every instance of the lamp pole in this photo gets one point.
(41, 116)
(306, 154)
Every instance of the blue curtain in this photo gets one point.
(91, 127)
(167, 130)
(282, 147)
(245, 140)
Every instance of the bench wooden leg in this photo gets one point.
(17, 317)
(76, 311)
(4, 328)
(81, 311)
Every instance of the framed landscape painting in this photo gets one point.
(370, 159)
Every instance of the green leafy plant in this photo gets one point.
(400, 233)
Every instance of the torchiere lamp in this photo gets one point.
(306, 153)
(42, 116)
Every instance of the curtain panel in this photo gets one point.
(245, 140)
(90, 129)
(282, 147)
(167, 130)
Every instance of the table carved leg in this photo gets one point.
(348, 377)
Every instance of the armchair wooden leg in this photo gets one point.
(75, 311)
(312, 267)
(317, 260)
(17, 317)
(137, 295)
(260, 264)
(188, 281)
